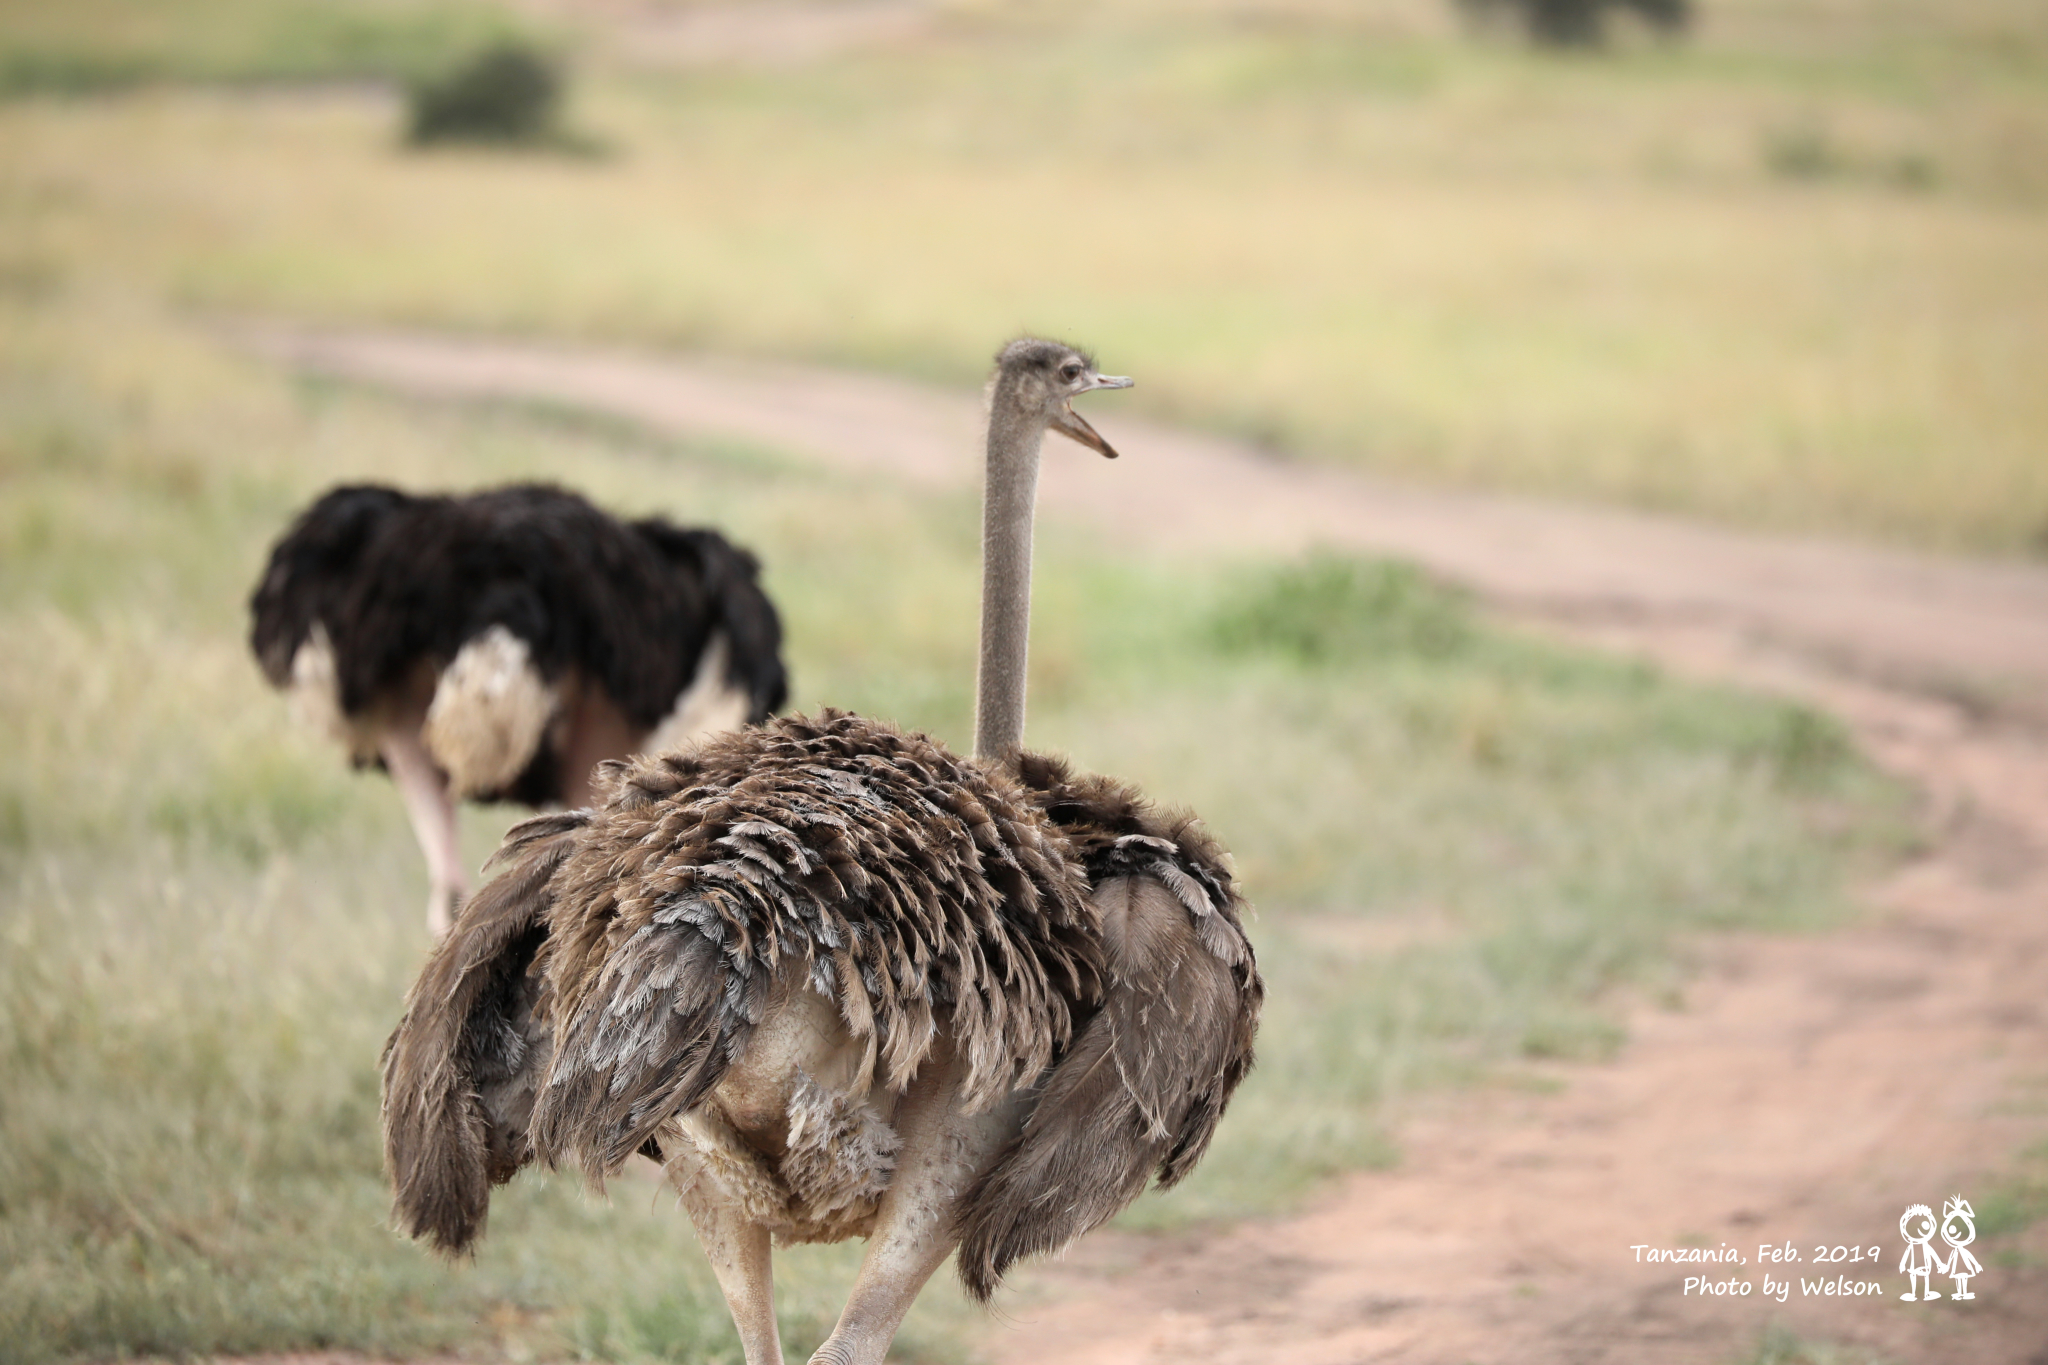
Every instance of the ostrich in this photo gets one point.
(497, 646)
(842, 982)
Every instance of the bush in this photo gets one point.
(507, 93)
(1579, 23)
(1330, 609)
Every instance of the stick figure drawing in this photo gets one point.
(1959, 1229)
(1919, 1263)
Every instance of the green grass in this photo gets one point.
(1779, 1345)
(1791, 272)
(1695, 278)
(1467, 849)
(2016, 1201)
(98, 46)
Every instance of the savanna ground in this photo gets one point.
(1788, 274)
(1785, 1093)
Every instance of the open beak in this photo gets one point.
(1071, 424)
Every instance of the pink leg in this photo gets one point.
(424, 789)
(740, 1256)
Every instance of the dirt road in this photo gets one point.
(1808, 1090)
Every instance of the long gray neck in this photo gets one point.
(1009, 497)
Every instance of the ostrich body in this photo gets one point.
(498, 646)
(842, 982)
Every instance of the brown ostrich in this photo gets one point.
(498, 646)
(842, 982)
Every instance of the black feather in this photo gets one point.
(398, 581)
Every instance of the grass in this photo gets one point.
(1790, 272)
(1686, 278)
(1467, 848)
(2014, 1204)
(100, 46)
(1779, 1345)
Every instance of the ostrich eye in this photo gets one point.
(1070, 371)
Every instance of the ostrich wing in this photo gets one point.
(1148, 1076)
(918, 892)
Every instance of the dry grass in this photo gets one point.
(93, 46)
(1794, 272)
(1349, 233)
(208, 924)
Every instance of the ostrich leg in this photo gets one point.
(740, 1256)
(432, 809)
(943, 1151)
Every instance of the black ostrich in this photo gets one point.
(497, 646)
(842, 982)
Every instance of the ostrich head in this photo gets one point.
(1032, 392)
(1035, 384)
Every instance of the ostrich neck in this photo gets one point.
(1009, 496)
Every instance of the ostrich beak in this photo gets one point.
(1071, 424)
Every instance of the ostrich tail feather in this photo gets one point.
(461, 1069)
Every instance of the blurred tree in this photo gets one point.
(1577, 23)
(506, 93)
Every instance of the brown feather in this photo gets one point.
(862, 985)
(910, 885)
(1064, 935)
(461, 1068)
(1149, 1075)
